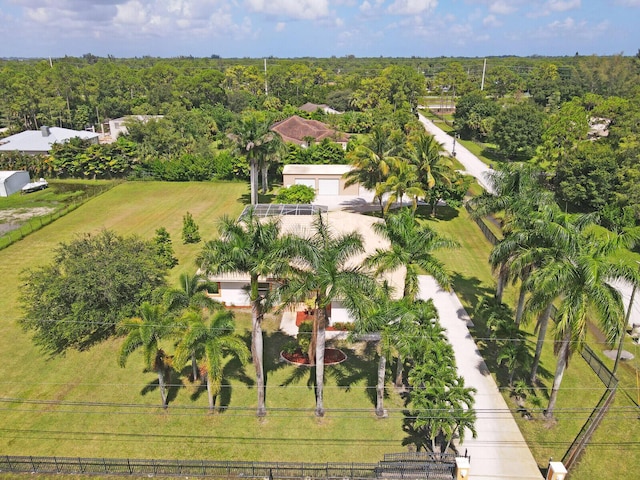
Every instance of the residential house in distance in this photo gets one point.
(35, 142)
(314, 107)
(298, 130)
(118, 127)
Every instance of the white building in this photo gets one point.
(232, 289)
(12, 181)
(34, 142)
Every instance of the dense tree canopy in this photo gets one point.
(93, 282)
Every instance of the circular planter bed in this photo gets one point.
(332, 356)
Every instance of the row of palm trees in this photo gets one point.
(394, 168)
(563, 262)
(204, 334)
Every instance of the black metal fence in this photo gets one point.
(488, 234)
(440, 467)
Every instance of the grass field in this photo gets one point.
(83, 404)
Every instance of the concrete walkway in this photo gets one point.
(499, 451)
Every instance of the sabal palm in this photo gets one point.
(192, 294)
(251, 137)
(145, 332)
(413, 245)
(213, 342)
(371, 162)
(324, 269)
(257, 249)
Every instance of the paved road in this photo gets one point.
(499, 451)
(480, 171)
(471, 163)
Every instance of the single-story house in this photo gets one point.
(34, 142)
(12, 181)
(298, 130)
(232, 289)
(324, 179)
(314, 107)
(118, 126)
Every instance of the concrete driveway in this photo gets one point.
(499, 451)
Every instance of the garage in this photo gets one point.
(309, 182)
(328, 186)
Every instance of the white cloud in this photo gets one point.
(502, 7)
(491, 21)
(280, 26)
(562, 5)
(411, 7)
(131, 13)
(297, 9)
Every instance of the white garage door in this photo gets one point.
(309, 182)
(327, 186)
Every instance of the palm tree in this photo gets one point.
(257, 249)
(324, 269)
(192, 294)
(146, 332)
(412, 245)
(402, 180)
(251, 138)
(371, 162)
(213, 342)
(434, 168)
(579, 282)
(273, 152)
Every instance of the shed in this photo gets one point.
(12, 181)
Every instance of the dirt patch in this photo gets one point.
(13, 218)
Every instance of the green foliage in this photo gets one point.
(518, 130)
(190, 229)
(79, 158)
(474, 115)
(164, 248)
(93, 282)
(323, 153)
(296, 194)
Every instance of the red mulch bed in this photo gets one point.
(332, 356)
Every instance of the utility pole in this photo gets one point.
(484, 69)
(266, 87)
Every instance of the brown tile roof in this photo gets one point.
(294, 129)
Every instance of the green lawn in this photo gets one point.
(108, 411)
(103, 410)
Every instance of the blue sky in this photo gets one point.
(318, 28)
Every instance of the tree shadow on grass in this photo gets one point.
(444, 213)
(174, 385)
(470, 290)
(245, 198)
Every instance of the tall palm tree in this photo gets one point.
(192, 294)
(257, 249)
(251, 138)
(579, 282)
(324, 269)
(146, 332)
(413, 245)
(273, 152)
(371, 162)
(213, 342)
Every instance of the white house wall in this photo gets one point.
(233, 294)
